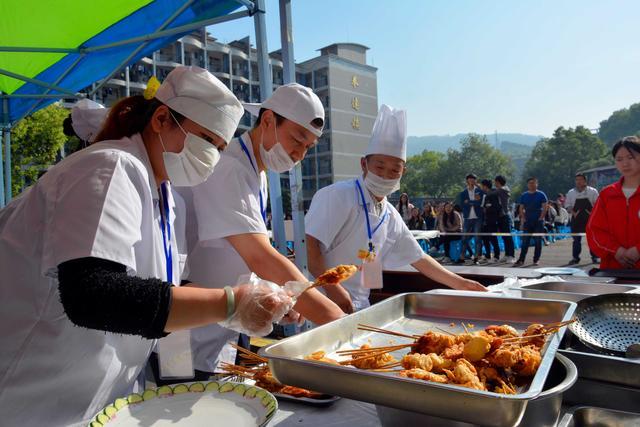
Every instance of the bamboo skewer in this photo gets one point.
(370, 328)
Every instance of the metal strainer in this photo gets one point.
(608, 323)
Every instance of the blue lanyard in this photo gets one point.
(165, 226)
(263, 210)
(370, 232)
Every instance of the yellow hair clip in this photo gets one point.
(152, 87)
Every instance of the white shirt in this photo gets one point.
(227, 204)
(472, 209)
(336, 218)
(573, 195)
(99, 202)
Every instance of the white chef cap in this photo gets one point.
(293, 102)
(389, 134)
(87, 117)
(198, 95)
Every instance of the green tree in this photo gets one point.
(442, 175)
(476, 156)
(424, 175)
(555, 161)
(621, 123)
(35, 142)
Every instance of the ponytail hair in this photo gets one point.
(130, 116)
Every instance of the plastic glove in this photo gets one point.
(258, 305)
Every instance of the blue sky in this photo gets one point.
(480, 66)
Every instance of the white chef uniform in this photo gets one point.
(232, 201)
(336, 218)
(99, 202)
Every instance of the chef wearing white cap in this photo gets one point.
(87, 117)
(90, 252)
(351, 221)
(230, 210)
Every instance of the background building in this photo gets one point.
(340, 76)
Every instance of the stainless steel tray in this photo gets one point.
(589, 416)
(601, 367)
(416, 313)
(571, 291)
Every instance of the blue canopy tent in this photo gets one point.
(52, 52)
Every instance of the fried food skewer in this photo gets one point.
(333, 276)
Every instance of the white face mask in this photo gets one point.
(380, 187)
(194, 164)
(276, 159)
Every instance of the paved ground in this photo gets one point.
(557, 254)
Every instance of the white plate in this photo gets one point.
(558, 271)
(213, 403)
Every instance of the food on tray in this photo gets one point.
(259, 372)
(371, 360)
(495, 359)
(320, 356)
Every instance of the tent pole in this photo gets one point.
(171, 31)
(295, 175)
(1, 171)
(6, 133)
(57, 82)
(266, 88)
(124, 63)
(35, 82)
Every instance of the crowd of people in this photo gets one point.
(486, 207)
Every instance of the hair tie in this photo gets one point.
(152, 87)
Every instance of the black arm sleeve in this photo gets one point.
(98, 294)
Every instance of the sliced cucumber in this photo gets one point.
(165, 390)
(261, 393)
(226, 387)
(212, 386)
(102, 419)
(180, 388)
(270, 408)
(196, 388)
(120, 403)
(95, 424)
(110, 411)
(251, 392)
(149, 394)
(266, 401)
(134, 398)
(240, 389)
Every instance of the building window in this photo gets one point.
(324, 144)
(324, 182)
(321, 78)
(309, 184)
(324, 166)
(309, 166)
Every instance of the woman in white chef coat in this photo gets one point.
(89, 253)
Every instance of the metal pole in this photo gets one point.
(7, 165)
(127, 89)
(295, 175)
(6, 183)
(2, 203)
(266, 88)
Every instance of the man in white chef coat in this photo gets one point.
(226, 229)
(351, 222)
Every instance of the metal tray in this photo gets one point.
(416, 313)
(571, 291)
(589, 416)
(601, 367)
(324, 400)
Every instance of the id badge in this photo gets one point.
(371, 274)
(174, 355)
